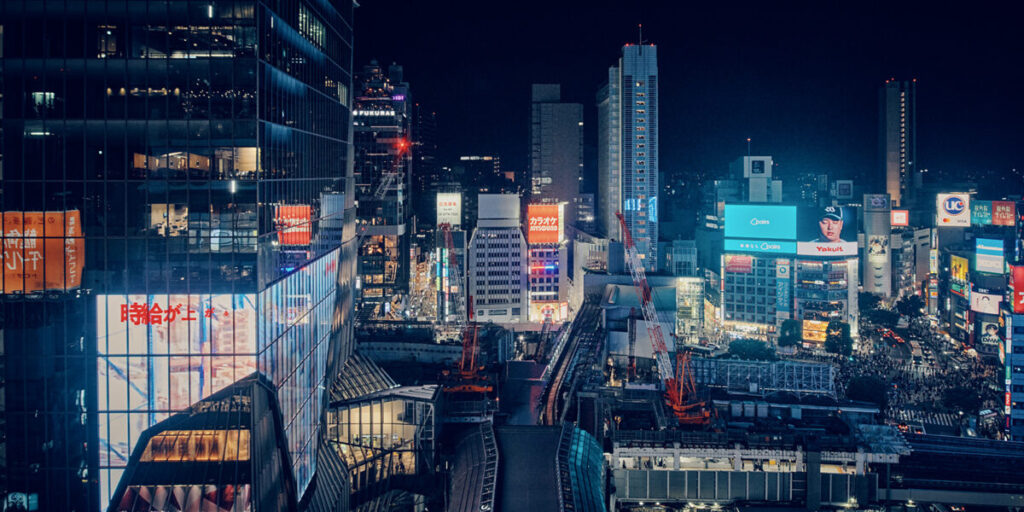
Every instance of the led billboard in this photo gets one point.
(782, 281)
(162, 353)
(293, 224)
(815, 330)
(544, 223)
(958, 268)
(828, 231)
(987, 334)
(981, 213)
(953, 210)
(985, 302)
(1003, 213)
(765, 246)
(449, 209)
(760, 222)
(988, 255)
(900, 217)
(739, 264)
(42, 251)
(1017, 288)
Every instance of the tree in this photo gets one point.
(791, 333)
(883, 317)
(910, 306)
(837, 339)
(749, 349)
(867, 301)
(961, 398)
(868, 389)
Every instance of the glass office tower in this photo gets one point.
(177, 214)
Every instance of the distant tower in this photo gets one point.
(556, 147)
(897, 135)
(628, 149)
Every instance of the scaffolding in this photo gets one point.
(764, 377)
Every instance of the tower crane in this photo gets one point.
(680, 389)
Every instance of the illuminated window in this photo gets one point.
(311, 28)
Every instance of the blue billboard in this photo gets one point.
(989, 255)
(762, 246)
(981, 213)
(774, 222)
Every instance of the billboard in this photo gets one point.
(164, 353)
(1017, 288)
(739, 264)
(207, 497)
(987, 335)
(42, 251)
(293, 224)
(765, 246)
(815, 330)
(988, 255)
(953, 210)
(981, 213)
(876, 202)
(782, 279)
(544, 223)
(1003, 213)
(985, 302)
(828, 231)
(900, 217)
(449, 209)
(844, 189)
(556, 311)
(958, 268)
(877, 247)
(772, 222)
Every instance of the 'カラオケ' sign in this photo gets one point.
(543, 224)
(42, 251)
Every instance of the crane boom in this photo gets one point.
(636, 270)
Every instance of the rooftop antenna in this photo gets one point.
(748, 146)
(640, 27)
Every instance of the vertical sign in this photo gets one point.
(782, 279)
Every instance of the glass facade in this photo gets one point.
(204, 148)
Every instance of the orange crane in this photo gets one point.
(466, 377)
(680, 389)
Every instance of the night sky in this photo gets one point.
(801, 79)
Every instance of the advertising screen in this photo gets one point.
(772, 222)
(449, 209)
(900, 217)
(981, 213)
(828, 231)
(953, 210)
(207, 497)
(985, 302)
(958, 268)
(782, 281)
(988, 255)
(739, 264)
(42, 251)
(876, 202)
(164, 353)
(293, 224)
(877, 247)
(815, 330)
(1017, 288)
(1003, 213)
(541, 310)
(766, 246)
(544, 223)
(987, 334)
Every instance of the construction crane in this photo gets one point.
(680, 389)
(466, 377)
(631, 330)
(388, 178)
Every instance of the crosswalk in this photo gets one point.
(923, 371)
(942, 419)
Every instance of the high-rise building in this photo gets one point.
(188, 165)
(556, 148)
(897, 139)
(496, 271)
(628, 149)
(383, 165)
(427, 169)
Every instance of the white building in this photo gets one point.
(497, 261)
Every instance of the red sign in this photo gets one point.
(293, 224)
(152, 314)
(42, 251)
(739, 264)
(1003, 213)
(900, 217)
(1017, 288)
(543, 224)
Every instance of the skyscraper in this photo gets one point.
(383, 165)
(556, 148)
(897, 139)
(628, 149)
(175, 188)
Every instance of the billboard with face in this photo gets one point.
(828, 231)
(985, 302)
(987, 335)
(877, 247)
(953, 210)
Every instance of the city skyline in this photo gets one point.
(804, 90)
